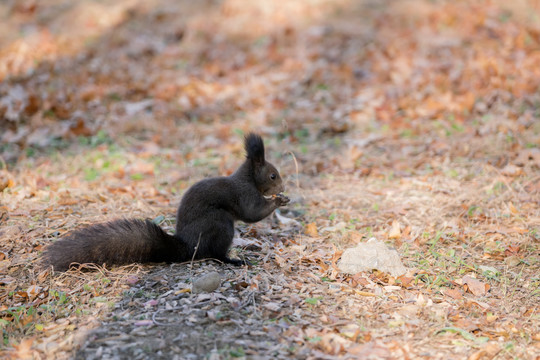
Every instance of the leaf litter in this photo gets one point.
(414, 123)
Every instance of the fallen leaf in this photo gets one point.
(370, 350)
(332, 344)
(395, 231)
(359, 279)
(512, 170)
(405, 281)
(489, 351)
(511, 250)
(453, 293)
(24, 349)
(482, 304)
(33, 291)
(351, 331)
(311, 230)
(364, 293)
(272, 306)
(474, 286)
(512, 208)
(6, 180)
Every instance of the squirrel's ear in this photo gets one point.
(254, 146)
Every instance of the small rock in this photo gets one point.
(206, 283)
(371, 255)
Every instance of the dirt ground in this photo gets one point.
(413, 122)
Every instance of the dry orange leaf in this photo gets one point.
(488, 351)
(311, 230)
(512, 170)
(359, 279)
(364, 293)
(511, 250)
(406, 232)
(24, 349)
(519, 230)
(6, 180)
(405, 280)
(453, 293)
(395, 231)
(66, 200)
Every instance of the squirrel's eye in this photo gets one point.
(273, 176)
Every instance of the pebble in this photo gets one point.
(206, 283)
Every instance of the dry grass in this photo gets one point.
(422, 119)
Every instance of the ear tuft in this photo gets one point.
(254, 146)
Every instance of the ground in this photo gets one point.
(416, 123)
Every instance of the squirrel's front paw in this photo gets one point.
(282, 200)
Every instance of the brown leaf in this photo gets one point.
(405, 281)
(364, 293)
(4, 213)
(488, 351)
(67, 200)
(512, 208)
(359, 279)
(370, 349)
(311, 230)
(512, 170)
(6, 180)
(511, 250)
(33, 291)
(332, 344)
(395, 231)
(474, 286)
(453, 293)
(406, 232)
(272, 306)
(78, 127)
(24, 349)
(336, 256)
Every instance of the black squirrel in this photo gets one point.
(204, 221)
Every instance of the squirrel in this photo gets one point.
(204, 221)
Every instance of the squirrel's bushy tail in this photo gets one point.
(116, 242)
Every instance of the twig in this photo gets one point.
(195, 252)
(296, 166)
